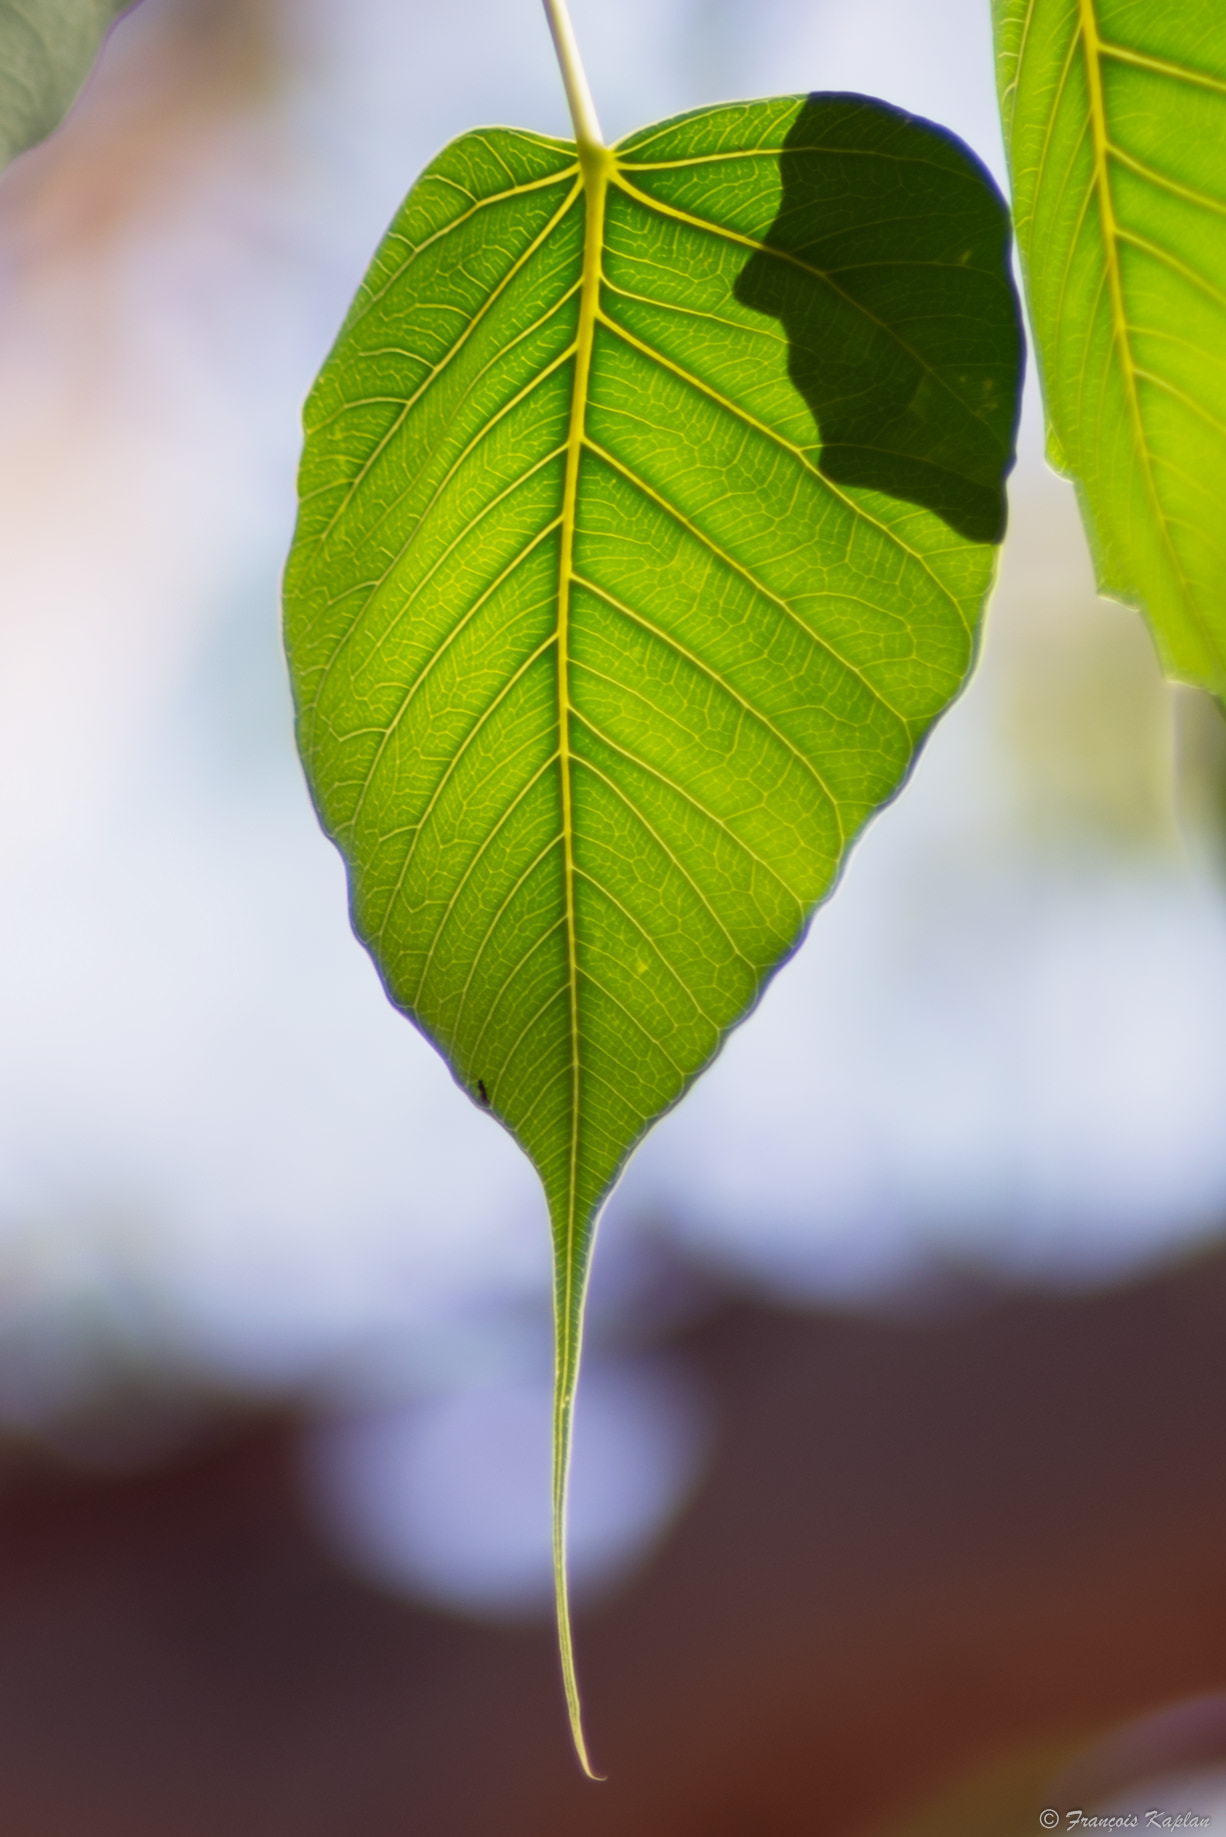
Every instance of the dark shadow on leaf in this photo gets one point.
(888, 267)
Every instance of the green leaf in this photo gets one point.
(1115, 124)
(649, 502)
(46, 50)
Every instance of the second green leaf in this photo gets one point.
(1115, 122)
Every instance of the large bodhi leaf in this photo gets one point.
(649, 503)
(1115, 123)
(46, 49)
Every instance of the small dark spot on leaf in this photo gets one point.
(483, 1094)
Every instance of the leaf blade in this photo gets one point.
(1115, 124)
(629, 577)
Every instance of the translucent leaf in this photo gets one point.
(46, 50)
(1115, 123)
(649, 503)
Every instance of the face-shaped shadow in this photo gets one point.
(888, 267)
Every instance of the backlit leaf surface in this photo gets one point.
(1115, 122)
(649, 503)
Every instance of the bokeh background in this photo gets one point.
(899, 1489)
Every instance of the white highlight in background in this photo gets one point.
(448, 1498)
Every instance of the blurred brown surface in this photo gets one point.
(922, 1542)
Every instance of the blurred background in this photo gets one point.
(900, 1501)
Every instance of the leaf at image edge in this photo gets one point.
(1115, 127)
(47, 48)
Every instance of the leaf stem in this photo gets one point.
(582, 109)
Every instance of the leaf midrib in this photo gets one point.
(595, 164)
